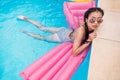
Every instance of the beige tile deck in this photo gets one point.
(105, 60)
(110, 5)
(110, 28)
(105, 55)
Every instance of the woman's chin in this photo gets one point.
(93, 28)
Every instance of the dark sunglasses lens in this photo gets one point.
(92, 20)
(99, 20)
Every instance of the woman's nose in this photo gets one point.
(96, 22)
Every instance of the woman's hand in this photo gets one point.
(75, 54)
(92, 36)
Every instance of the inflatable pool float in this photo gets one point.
(58, 63)
(74, 12)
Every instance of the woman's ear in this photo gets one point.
(86, 20)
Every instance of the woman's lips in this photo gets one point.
(95, 26)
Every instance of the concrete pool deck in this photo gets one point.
(105, 53)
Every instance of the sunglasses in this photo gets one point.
(93, 20)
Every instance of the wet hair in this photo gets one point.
(86, 15)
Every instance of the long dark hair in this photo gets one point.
(86, 15)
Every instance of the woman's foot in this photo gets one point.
(21, 17)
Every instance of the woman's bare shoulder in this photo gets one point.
(80, 29)
(79, 34)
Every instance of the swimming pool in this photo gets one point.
(18, 50)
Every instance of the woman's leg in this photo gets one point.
(51, 29)
(37, 36)
(52, 38)
(40, 26)
(31, 21)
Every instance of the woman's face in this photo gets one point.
(94, 20)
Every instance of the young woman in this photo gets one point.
(81, 37)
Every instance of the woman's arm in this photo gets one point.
(81, 48)
(79, 35)
(78, 47)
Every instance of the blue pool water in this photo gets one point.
(18, 50)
